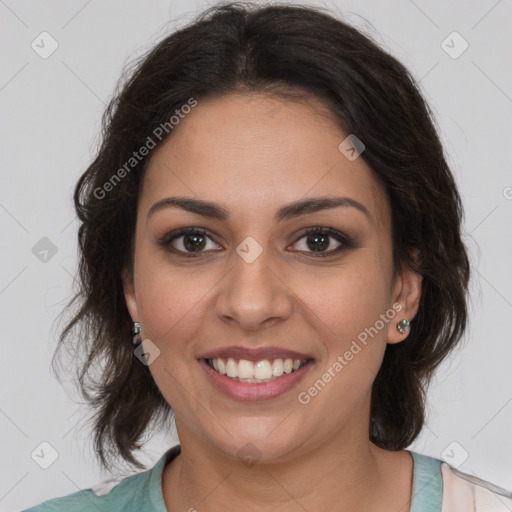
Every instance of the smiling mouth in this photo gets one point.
(266, 370)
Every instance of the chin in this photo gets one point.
(266, 444)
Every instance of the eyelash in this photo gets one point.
(165, 241)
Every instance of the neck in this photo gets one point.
(351, 475)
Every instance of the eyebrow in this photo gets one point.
(289, 211)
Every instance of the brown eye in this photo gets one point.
(188, 241)
(194, 243)
(319, 240)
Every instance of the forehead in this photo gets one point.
(255, 152)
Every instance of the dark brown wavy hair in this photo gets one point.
(272, 49)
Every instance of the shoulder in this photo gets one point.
(121, 497)
(437, 486)
(474, 494)
(142, 491)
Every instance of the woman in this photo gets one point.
(272, 215)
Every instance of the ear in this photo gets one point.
(406, 293)
(129, 294)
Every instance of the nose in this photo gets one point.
(254, 294)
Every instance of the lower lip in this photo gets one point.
(254, 391)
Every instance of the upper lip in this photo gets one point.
(254, 354)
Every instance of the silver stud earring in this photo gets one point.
(402, 325)
(136, 332)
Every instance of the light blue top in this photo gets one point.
(143, 492)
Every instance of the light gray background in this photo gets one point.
(50, 115)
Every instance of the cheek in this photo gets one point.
(354, 337)
(355, 316)
(352, 297)
(170, 301)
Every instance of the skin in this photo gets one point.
(254, 153)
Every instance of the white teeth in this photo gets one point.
(261, 371)
(245, 369)
(277, 368)
(231, 368)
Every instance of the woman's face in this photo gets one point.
(253, 279)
